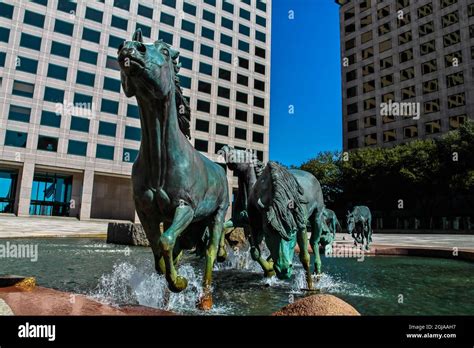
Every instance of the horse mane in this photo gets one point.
(182, 105)
(286, 213)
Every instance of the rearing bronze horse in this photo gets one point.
(173, 183)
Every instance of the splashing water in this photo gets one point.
(238, 260)
(131, 284)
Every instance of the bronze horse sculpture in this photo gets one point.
(287, 193)
(173, 183)
(359, 225)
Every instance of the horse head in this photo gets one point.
(278, 199)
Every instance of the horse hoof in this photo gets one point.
(222, 255)
(205, 303)
(179, 285)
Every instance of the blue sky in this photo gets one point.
(305, 73)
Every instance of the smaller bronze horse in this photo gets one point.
(359, 225)
(328, 237)
(281, 204)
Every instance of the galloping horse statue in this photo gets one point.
(173, 183)
(328, 238)
(359, 225)
(247, 168)
(281, 204)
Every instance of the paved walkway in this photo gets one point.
(461, 241)
(16, 227)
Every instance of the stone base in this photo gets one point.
(126, 234)
(25, 283)
(316, 305)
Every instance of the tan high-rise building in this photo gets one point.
(68, 134)
(407, 69)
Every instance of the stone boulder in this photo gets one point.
(126, 233)
(317, 305)
(236, 238)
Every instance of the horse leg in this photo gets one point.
(305, 259)
(153, 233)
(256, 254)
(317, 229)
(222, 253)
(216, 231)
(182, 218)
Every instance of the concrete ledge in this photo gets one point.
(126, 234)
(461, 254)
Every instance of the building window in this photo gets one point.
(240, 133)
(201, 145)
(429, 67)
(63, 27)
(241, 115)
(109, 106)
(450, 19)
(208, 16)
(188, 26)
(456, 100)
(94, 15)
(242, 80)
(350, 44)
(425, 10)
(366, 70)
(204, 87)
(115, 42)
(368, 86)
(386, 63)
(455, 79)
(406, 55)
(387, 97)
(223, 92)
(260, 21)
(242, 97)
(222, 129)
(405, 20)
(456, 121)
(384, 29)
(87, 56)
(407, 74)
(77, 148)
(370, 139)
(119, 23)
(123, 4)
(352, 125)
(133, 133)
(189, 8)
(352, 108)
(85, 78)
(145, 11)
(132, 111)
(60, 49)
(166, 37)
(186, 63)
(370, 121)
(430, 86)
(351, 92)
(91, 35)
(53, 95)
(386, 80)
(366, 37)
(365, 21)
(244, 46)
(410, 132)
(257, 137)
(129, 155)
(167, 19)
(23, 89)
(259, 68)
(186, 44)
(82, 98)
(30, 41)
(46, 143)
(257, 119)
(33, 18)
(202, 125)
(352, 143)
(80, 124)
(350, 13)
(205, 68)
(385, 45)
(369, 104)
(390, 135)
(14, 138)
(405, 37)
(431, 106)
(207, 33)
(260, 36)
(426, 29)
(433, 127)
(104, 152)
(107, 128)
(111, 84)
(224, 74)
(57, 72)
(19, 113)
(351, 75)
(222, 110)
(4, 34)
(27, 65)
(203, 106)
(427, 47)
(50, 119)
(170, 3)
(228, 6)
(259, 85)
(452, 38)
(367, 53)
(446, 3)
(6, 10)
